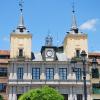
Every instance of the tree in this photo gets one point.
(43, 93)
(1, 97)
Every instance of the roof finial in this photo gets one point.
(21, 5)
(74, 24)
(48, 39)
(73, 6)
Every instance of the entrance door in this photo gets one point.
(65, 96)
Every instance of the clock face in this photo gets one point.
(49, 53)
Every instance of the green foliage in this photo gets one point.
(43, 93)
(1, 97)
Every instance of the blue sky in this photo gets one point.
(53, 15)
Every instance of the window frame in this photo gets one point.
(36, 75)
(3, 87)
(3, 72)
(95, 73)
(20, 72)
(20, 52)
(78, 74)
(63, 73)
(49, 73)
(79, 97)
(77, 53)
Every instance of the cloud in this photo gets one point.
(5, 38)
(89, 25)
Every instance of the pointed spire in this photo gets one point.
(21, 26)
(74, 23)
(21, 22)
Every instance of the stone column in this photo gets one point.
(42, 75)
(10, 71)
(71, 94)
(25, 74)
(10, 95)
(14, 94)
(29, 71)
(56, 72)
(15, 71)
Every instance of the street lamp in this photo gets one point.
(84, 56)
(74, 69)
(73, 61)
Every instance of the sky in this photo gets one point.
(50, 16)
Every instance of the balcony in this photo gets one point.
(20, 58)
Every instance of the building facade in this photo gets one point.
(22, 70)
(50, 66)
(4, 63)
(95, 76)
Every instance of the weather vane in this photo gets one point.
(21, 5)
(73, 6)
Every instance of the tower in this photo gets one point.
(20, 39)
(74, 41)
(48, 51)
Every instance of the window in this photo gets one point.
(20, 52)
(3, 72)
(96, 88)
(36, 73)
(21, 29)
(79, 97)
(4, 57)
(78, 74)
(63, 73)
(49, 73)
(2, 87)
(78, 53)
(95, 73)
(20, 73)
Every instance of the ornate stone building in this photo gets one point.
(51, 66)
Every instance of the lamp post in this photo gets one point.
(73, 61)
(84, 55)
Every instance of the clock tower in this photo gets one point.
(48, 51)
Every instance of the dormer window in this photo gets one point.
(20, 52)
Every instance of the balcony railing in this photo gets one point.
(21, 58)
(57, 82)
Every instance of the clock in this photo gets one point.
(49, 53)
